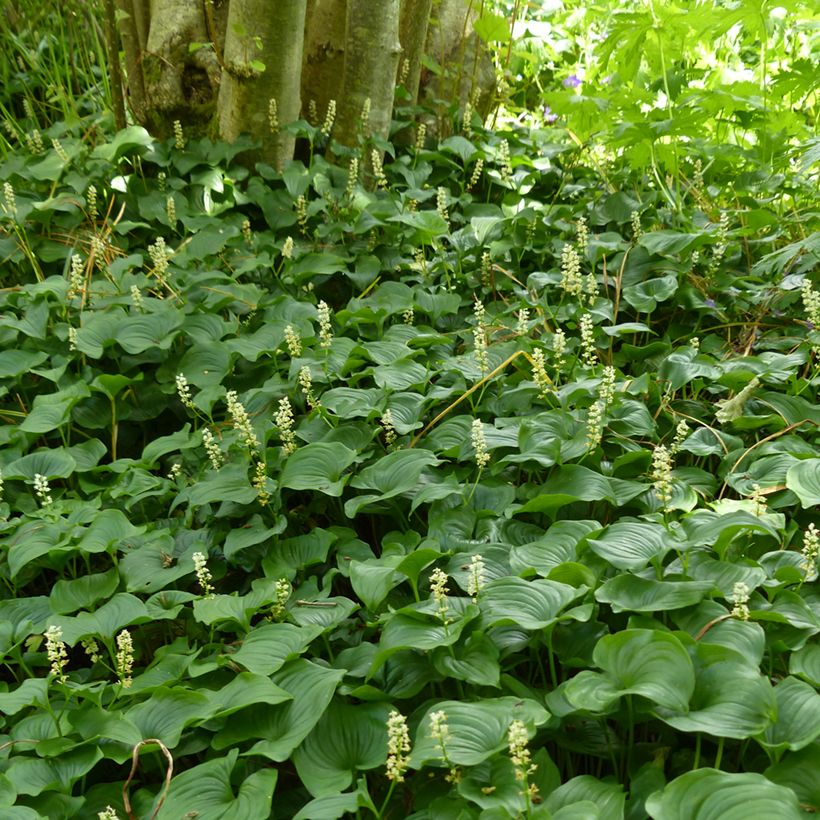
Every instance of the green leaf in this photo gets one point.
(631, 593)
(642, 662)
(312, 687)
(231, 483)
(373, 579)
(268, 647)
(206, 789)
(708, 794)
(529, 604)
(52, 464)
(347, 739)
(731, 699)
(83, 592)
(492, 28)
(607, 797)
(126, 141)
(30, 692)
(52, 410)
(798, 716)
(33, 776)
(477, 730)
(318, 467)
(803, 479)
(631, 545)
(391, 475)
(806, 664)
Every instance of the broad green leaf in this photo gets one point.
(608, 797)
(806, 664)
(798, 715)
(52, 410)
(207, 790)
(312, 687)
(291, 555)
(477, 730)
(15, 362)
(531, 605)
(56, 463)
(83, 592)
(30, 692)
(168, 711)
(113, 616)
(803, 479)
(128, 140)
(797, 771)
(708, 794)
(373, 579)
(631, 593)
(558, 546)
(731, 699)
(268, 647)
(231, 483)
(631, 545)
(318, 467)
(476, 661)
(33, 776)
(348, 738)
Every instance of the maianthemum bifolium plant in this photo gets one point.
(483, 487)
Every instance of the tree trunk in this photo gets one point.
(180, 83)
(372, 50)
(415, 21)
(133, 27)
(324, 55)
(272, 35)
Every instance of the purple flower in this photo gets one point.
(548, 114)
(573, 81)
(710, 303)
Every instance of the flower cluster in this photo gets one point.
(108, 813)
(282, 592)
(184, 391)
(811, 549)
(76, 276)
(480, 337)
(260, 478)
(330, 118)
(241, 420)
(386, 423)
(284, 424)
(439, 731)
(179, 136)
(378, 168)
(325, 329)
(125, 658)
(539, 373)
(441, 203)
(475, 580)
(662, 475)
(160, 255)
(482, 457)
(478, 169)
(439, 590)
(398, 747)
(352, 177)
(293, 342)
(9, 200)
(518, 746)
(589, 355)
(739, 599)
(42, 489)
(421, 136)
(504, 163)
(212, 449)
(203, 574)
(92, 649)
(56, 652)
(306, 383)
(571, 281)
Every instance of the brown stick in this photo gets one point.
(135, 762)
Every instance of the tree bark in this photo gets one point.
(133, 46)
(324, 54)
(179, 83)
(372, 51)
(272, 34)
(113, 48)
(415, 21)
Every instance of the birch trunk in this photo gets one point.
(372, 51)
(271, 34)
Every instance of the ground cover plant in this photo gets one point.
(481, 486)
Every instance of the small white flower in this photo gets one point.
(475, 581)
(125, 658)
(42, 489)
(203, 574)
(398, 747)
(56, 652)
(482, 457)
(325, 329)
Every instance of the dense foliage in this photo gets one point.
(483, 488)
